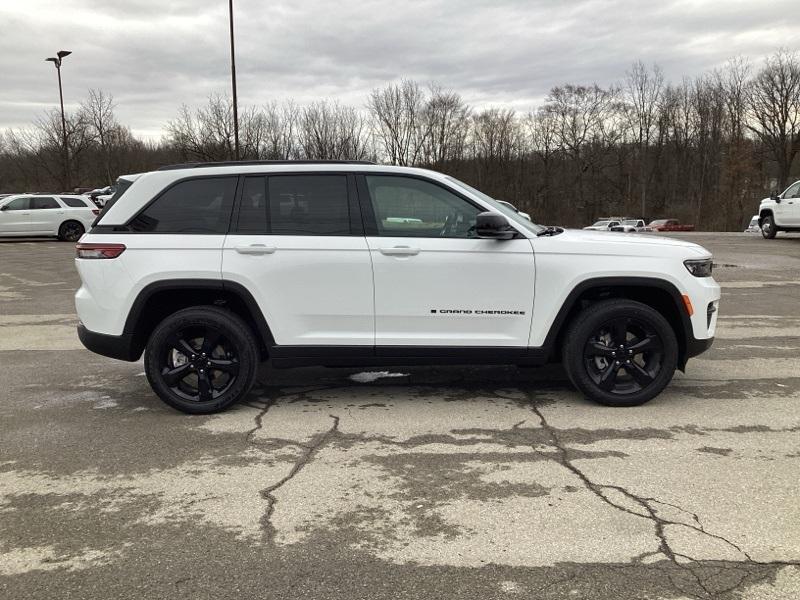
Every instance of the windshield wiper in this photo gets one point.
(550, 230)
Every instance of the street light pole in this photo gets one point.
(233, 85)
(57, 62)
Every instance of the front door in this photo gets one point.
(297, 240)
(15, 216)
(789, 207)
(436, 283)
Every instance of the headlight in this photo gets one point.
(699, 268)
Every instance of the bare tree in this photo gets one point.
(399, 121)
(98, 110)
(330, 131)
(642, 98)
(446, 119)
(774, 107)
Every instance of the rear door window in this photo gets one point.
(193, 206)
(43, 202)
(308, 205)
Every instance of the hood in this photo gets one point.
(580, 241)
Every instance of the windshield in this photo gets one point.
(601, 224)
(658, 222)
(633, 222)
(510, 213)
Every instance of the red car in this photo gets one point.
(669, 225)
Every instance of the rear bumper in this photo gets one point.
(120, 347)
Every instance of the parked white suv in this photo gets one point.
(210, 268)
(62, 216)
(780, 212)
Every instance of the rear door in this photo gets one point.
(46, 215)
(436, 283)
(297, 243)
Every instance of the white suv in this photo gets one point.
(211, 268)
(780, 212)
(28, 215)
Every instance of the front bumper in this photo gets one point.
(121, 347)
(695, 346)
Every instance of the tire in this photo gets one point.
(70, 231)
(596, 364)
(183, 351)
(768, 228)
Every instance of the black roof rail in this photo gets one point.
(244, 163)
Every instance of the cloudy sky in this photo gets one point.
(153, 55)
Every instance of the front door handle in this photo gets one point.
(400, 251)
(256, 249)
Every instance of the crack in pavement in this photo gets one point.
(650, 513)
(310, 451)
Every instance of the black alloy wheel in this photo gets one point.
(620, 352)
(199, 364)
(624, 355)
(202, 359)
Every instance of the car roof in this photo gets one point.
(147, 185)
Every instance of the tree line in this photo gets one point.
(703, 150)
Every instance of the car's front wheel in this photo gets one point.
(201, 360)
(768, 229)
(620, 353)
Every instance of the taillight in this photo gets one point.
(96, 211)
(99, 250)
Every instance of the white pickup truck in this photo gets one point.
(780, 212)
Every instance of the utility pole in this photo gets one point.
(233, 85)
(57, 62)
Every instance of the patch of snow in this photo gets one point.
(370, 376)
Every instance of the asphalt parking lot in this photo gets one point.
(421, 483)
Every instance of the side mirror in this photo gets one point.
(493, 226)
(775, 196)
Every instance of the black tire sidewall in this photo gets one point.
(772, 229)
(587, 323)
(235, 330)
(61, 235)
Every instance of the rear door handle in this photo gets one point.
(400, 251)
(255, 249)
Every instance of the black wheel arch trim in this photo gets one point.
(686, 339)
(135, 313)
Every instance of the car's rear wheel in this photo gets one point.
(620, 353)
(768, 229)
(70, 231)
(201, 360)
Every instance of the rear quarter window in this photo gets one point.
(193, 206)
(75, 202)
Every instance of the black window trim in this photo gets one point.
(368, 214)
(353, 205)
